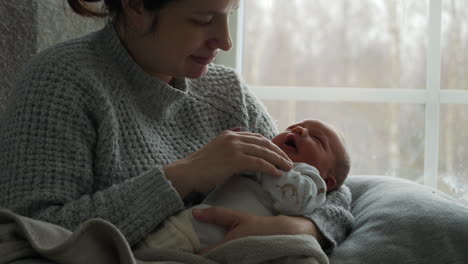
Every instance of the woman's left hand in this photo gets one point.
(241, 224)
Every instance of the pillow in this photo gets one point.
(398, 221)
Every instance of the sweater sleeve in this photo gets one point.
(333, 218)
(47, 139)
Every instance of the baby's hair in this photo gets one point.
(343, 162)
(342, 168)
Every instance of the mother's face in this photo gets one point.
(187, 36)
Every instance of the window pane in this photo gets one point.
(339, 43)
(455, 44)
(382, 139)
(453, 162)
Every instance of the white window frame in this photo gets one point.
(432, 96)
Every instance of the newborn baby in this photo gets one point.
(321, 165)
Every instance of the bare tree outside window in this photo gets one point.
(453, 166)
(365, 44)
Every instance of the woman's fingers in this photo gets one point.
(236, 129)
(260, 140)
(218, 216)
(228, 154)
(256, 153)
(264, 160)
(241, 224)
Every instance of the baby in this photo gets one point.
(321, 165)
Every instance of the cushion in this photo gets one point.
(399, 221)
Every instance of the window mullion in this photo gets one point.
(240, 37)
(341, 94)
(431, 155)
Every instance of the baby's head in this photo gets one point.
(318, 144)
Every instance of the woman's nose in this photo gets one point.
(221, 38)
(224, 44)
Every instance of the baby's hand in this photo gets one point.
(296, 192)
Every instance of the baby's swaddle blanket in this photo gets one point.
(99, 242)
(297, 192)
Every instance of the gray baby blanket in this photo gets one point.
(98, 241)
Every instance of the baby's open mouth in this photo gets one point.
(290, 141)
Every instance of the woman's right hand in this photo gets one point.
(242, 224)
(229, 153)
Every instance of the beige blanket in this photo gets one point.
(98, 241)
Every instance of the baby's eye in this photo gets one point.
(319, 141)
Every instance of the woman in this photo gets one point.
(131, 124)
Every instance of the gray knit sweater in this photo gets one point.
(87, 131)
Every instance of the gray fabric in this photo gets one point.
(300, 249)
(398, 221)
(99, 242)
(87, 132)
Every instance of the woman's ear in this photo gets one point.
(136, 6)
(134, 13)
(136, 18)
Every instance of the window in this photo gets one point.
(392, 75)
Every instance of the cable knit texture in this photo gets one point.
(87, 131)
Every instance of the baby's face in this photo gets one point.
(313, 142)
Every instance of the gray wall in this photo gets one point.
(17, 40)
(29, 26)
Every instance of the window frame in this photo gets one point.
(432, 96)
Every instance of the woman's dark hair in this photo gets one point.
(113, 8)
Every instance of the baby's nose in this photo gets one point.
(300, 130)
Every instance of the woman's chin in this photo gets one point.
(197, 72)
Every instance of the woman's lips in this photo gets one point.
(203, 60)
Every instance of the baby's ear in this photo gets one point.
(331, 183)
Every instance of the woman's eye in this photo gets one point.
(201, 22)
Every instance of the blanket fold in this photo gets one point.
(97, 241)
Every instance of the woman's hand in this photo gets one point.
(228, 154)
(241, 224)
